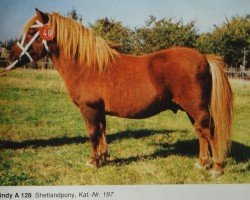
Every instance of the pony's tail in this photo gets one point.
(221, 106)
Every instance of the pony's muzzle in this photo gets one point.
(19, 62)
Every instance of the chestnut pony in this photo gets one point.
(102, 81)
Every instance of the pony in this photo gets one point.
(102, 81)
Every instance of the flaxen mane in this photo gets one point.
(74, 40)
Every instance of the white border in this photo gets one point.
(137, 192)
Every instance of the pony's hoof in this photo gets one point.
(215, 173)
(197, 165)
(90, 163)
(105, 157)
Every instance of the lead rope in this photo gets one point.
(25, 48)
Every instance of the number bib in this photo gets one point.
(46, 33)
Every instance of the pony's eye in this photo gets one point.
(31, 31)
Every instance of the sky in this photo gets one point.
(132, 13)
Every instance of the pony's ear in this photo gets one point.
(42, 17)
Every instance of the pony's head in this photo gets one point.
(33, 45)
(69, 39)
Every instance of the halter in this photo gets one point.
(25, 48)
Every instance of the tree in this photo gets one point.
(229, 40)
(115, 33)
(8, 44)
(161, 34)
(205, 43)
(74, 15)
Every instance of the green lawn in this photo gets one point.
(43, 140)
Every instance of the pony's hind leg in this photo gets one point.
(217, 163)
(204, 129)
(204, 160)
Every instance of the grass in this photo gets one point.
(43, 140)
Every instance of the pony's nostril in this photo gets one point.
(10, 56)
(14, 53)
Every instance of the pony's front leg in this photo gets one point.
(95, 122)
(103, 146)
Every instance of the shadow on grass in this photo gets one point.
(42, 142)
(190, 148)
(239, 152)
(137, 134)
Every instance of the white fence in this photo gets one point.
(238, 73)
